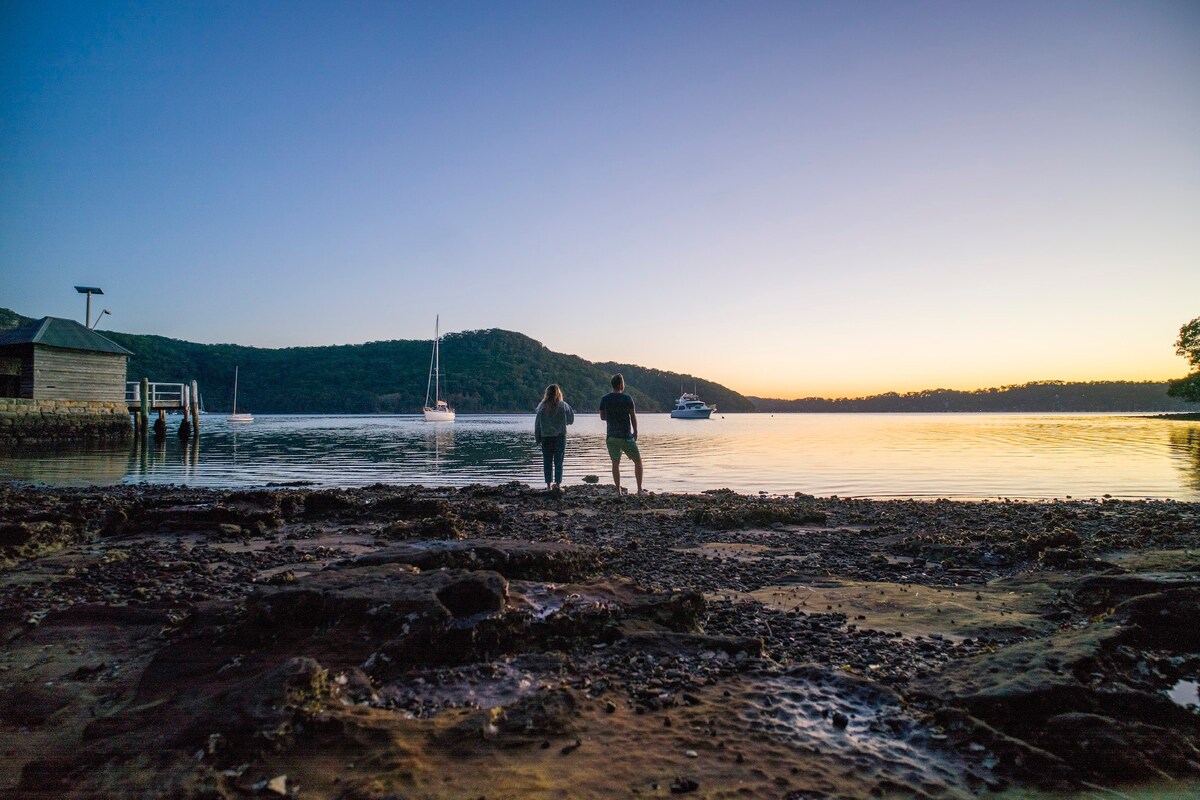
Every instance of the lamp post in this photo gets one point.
(89, 291)
(98, 316)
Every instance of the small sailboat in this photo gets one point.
(690, 406)
(440, 411)
(236, 417)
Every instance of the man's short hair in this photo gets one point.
(617, 381)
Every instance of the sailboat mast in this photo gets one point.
(432, 358)
(235, 370)
(437, 359)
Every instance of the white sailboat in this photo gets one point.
(440, 411)
(236, 417)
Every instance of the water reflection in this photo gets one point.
(162, 459)
(877, 455)
(101, 464)
(1185, 446)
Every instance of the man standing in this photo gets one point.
(616, 408)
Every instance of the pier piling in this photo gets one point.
(185, 430)
(143, 398)
(144, 415)
(195, 400)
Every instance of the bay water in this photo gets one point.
(851, 455)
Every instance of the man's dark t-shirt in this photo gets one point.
(616, 407)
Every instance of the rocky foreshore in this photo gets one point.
(500, 642)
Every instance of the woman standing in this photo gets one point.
(550, 430)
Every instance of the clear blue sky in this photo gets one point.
(790, 198)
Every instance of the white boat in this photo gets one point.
(690, 406)
(440, 411)
(236, 417)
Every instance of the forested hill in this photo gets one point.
(486, 371)
(1039, 396)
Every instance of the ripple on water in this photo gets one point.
(864, 455)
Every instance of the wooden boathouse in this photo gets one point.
(59, 359)
(61, 382)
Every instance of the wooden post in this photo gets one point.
(185, 430)
(144, 417)
(195, 409)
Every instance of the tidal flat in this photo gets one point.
(500, 642)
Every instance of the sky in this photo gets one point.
(792, 199)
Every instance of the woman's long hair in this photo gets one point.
(553, 395)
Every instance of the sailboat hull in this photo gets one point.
(436, 415)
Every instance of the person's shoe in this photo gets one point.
(556, 490)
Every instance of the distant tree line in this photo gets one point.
(1036, 396)
(496, 371)
(488, 371)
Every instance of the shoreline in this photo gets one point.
(497, 641)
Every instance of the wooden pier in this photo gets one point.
(143, 398)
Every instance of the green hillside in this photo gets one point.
(486, 371)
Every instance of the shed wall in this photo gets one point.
(57, 374)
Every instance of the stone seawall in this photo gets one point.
(25, 421)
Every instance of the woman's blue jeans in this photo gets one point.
(554, 449)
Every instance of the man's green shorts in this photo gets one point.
(616, 446)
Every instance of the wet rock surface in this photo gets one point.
(544, 561)
(496, 641)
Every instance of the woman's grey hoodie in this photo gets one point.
(552, 420)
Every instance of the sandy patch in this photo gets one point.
(737, 550)
(1001, 609)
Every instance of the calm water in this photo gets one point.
(870, 455)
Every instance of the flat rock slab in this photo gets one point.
(512, 558)
(390, 617)
(384, 597)
(1047, 696)
(1100, 591)
(1169, 619)
(1156, 560)
(61, 673)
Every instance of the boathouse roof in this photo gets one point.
(59, 332)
